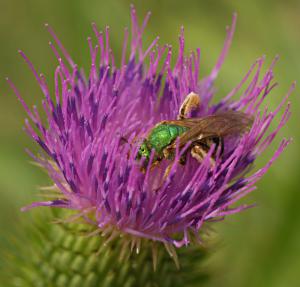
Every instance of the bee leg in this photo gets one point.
(168, 153)
(165, 176)
(182, 159)
(167, 172)
(192, 101)
(199, 154)
(221, 144)
(143, 170)
(214, 140)
(154, 164)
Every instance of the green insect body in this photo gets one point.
(203, 133)
(159, 138)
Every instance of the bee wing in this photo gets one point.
(230, 123)
(187, 123)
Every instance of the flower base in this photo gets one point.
(63, 255)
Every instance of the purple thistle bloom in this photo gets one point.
(98, 175)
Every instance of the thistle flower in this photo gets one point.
(96, 174)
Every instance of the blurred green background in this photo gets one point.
(259, 247)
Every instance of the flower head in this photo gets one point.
(94, 121)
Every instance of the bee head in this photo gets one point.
(143, 151)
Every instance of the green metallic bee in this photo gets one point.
(201, 133)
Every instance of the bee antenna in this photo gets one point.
(122, 138)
